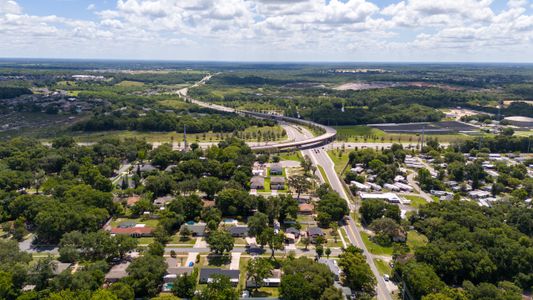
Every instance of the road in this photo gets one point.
(320, 157)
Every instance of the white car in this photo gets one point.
(386, 277)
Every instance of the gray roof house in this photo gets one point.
(257, 183)
(333, 267)
(238, 231)
(277, 183)
(206, 275)
(197, 229)
(117, 272)
(314, 232)
(294, 231)
(276, 169)
(146, 168)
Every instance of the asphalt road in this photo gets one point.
(320, 157)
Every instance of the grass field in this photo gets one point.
(128, 83)
(323, 173)
(416, 201)
(340, 162)
(361, 133)
(375, 248)
(167, 137)
(415, 239)
(382, 266)
(295, 156)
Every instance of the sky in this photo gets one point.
(270, 30)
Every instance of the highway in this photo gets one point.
(327, 137)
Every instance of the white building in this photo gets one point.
(360, 186)
(390, 197)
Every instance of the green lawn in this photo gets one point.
(129, 83)
(416, 201)
(358, 130)
(375, 248)
(267, 186)
(382, 266)
(290, 156)
(415, 239)
(323, 173)
(340, 162)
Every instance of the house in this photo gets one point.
(276, 169)
(375, 187)
(58, 267)
(477, 194)
(391, 187)
(404, 187)
(238, 231)
(170, 168)
(277, 183)
(399, 178)
(257, 183)
(206, 275)
(293, 231)
(360, 186)
(314, 232)
(136, 231)
(390, 197)
(306, 209)
(131, 201)
(290, 238)
(162, 201)
(357, 170)
(333, 267)
(274, 280)
(196, 229)
(258, 172)
(146, 168)
(117, 272)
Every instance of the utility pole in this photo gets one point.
(185, 138)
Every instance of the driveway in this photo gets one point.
(235, 260)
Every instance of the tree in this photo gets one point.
(273, 240)
(306, 241)
(357, 275)
(101, 294)
(7, 289)
(219, 288)
(124, 244)
(304, 279)
(319, 249)
(328, 252)
(145, 275)
(333, 207)
(332, 293)
(220, 241)
(420, 279)
(257, 224)
(258, 269)
(185, 286)
(300, 184)
(210, 186)
(306, 164)
(122, 291)
(375, 209)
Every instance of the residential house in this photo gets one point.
(58, 267)
(196, 229)
(131, 201)
(162, 201)
(257, 183)
(274, 280)
(117, 272)
(136, 231)
(390, 197)
(333, 267)
(293, 231)
(238, 231)
(206, 275)
(277, 183)
(314, 232)
(306, 209)
(276, 169)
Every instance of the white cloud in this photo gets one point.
(9, 7)
(275, 29)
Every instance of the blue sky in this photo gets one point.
(270, 30)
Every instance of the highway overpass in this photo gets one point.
(329, 134)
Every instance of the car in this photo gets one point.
(386, 277)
